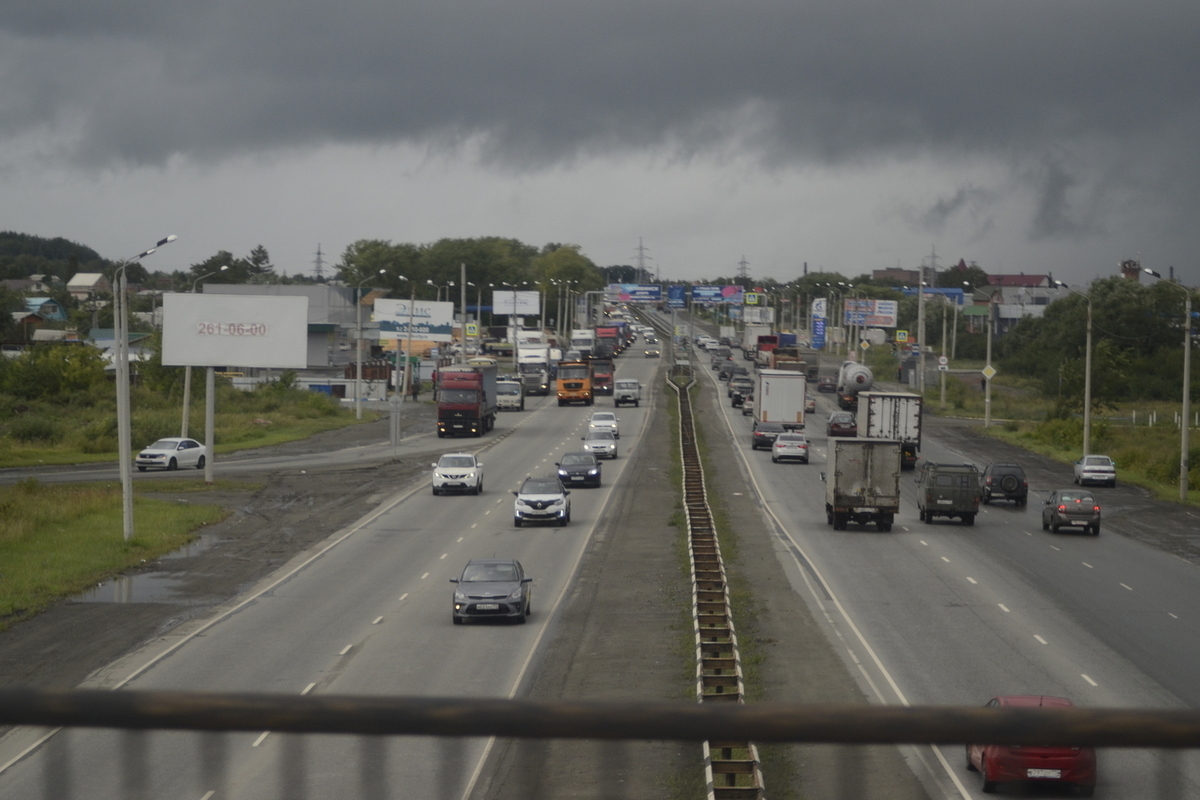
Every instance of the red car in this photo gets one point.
(1031, 763)
(841, 423)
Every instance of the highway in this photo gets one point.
(369, 614)
(942, 613)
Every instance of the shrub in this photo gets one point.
(35, 429)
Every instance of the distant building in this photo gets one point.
(84, 284)
(47, 308)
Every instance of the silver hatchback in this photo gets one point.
(1096, 469)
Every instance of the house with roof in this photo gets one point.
(85, 284)
(47, 308)
(1016, 297)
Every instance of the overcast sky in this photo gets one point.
(1026, 135)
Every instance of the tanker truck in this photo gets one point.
(853, 378)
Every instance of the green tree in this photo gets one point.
(53, 372)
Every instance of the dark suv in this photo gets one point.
(1004, 482)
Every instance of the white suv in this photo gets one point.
(457, 472)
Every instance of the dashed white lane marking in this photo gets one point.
(442, 556)
(208, 794)
(346, 649)
(426, 575)
(1130, 588)
(1089, 680)
(404, 595)
(312, 686)
(1172, 616)
(945, 559)
(260, 739)
(463, 537)
(377, 620)
(1086, 564)
(1040, 639)
(972, 580)
(1052, 547)
(1004, 608)
(922, 541)
(473, 524)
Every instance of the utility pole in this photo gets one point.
(744, 269)
(643, 276)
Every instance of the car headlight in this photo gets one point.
(562, 473)
(460, 597)
(593, 472)
(558, 502)
(516, 594)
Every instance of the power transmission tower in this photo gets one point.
(319, 263)
(744, 269)
(643, 276)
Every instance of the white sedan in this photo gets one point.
(171, 454)
(605, 421)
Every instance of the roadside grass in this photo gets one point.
(84, 429)
(1146, 455)
(59, 540)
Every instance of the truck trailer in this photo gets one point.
(895, 416)
(779, 397)
(467, 400)
(862, 483)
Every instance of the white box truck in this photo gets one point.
(779, 397)
(862, 482)
(750, 336)
(895, 416)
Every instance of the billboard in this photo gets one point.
(635, 292)
(820, 308)
(818, 333)
(431, 321)
(221, 330)
(871, 313)
(513, 302)
(717, 294)
(676, 296)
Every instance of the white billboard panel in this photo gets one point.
(760, 315)
(220, 330)
(432, 321)
(522, 304)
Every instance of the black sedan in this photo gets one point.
(492, 588)
(581, 469)
(764, 434)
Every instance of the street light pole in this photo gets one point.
(1184, 442)
(124, 422)
(358, 344)
(187, 370)
(1087, 377)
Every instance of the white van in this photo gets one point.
(627, 391)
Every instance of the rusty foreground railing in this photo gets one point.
(532, 719)
(617, 730)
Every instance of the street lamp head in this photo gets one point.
(167, 240)
(1151, 272)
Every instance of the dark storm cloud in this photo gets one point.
(137, 81)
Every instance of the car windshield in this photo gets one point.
(507, 388)
(459, 396)
(457, 461)
(841, 417)
(606, 435)
(164, 444)
(790, 437)
(604, 416)
(577, 459)
(1097, 461)
(541, 487)
(572, 373)
(1076, 497)
(491, 573)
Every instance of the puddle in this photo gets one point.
(146, 587)
(149, 587)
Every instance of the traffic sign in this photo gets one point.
(989, 372)
(864, 344)
(901, 336)
(943, 361)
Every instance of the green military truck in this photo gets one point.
(948, 490)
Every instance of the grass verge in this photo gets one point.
(59, 540)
